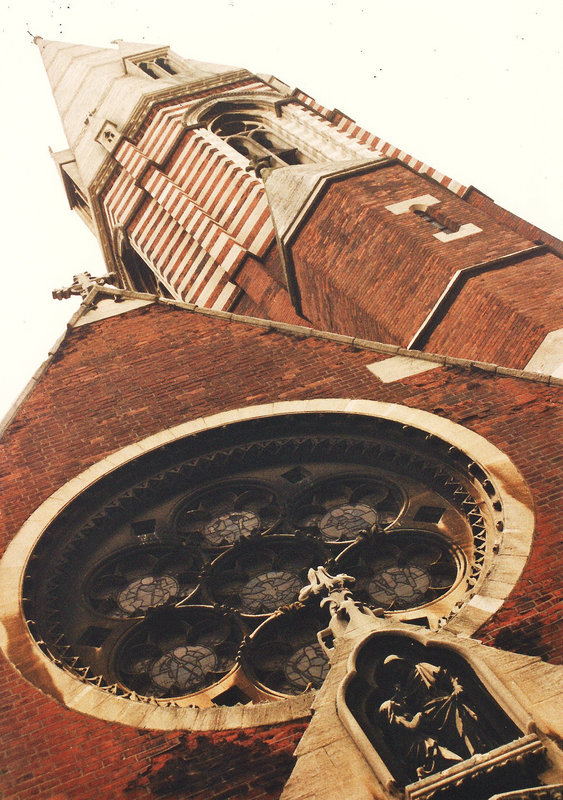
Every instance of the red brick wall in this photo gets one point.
(477, 198)
(51, 753)
(263, 296)
(117, 381)
(353, 252)
(362, 270)
(505, 313)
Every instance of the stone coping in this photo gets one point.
(80, 317)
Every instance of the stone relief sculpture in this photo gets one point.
(429, 716)
(431, 720)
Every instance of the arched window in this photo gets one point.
(166, 65)
(243, 127)
(161, 67)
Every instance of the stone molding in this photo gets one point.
(265, 101)
(284, 327)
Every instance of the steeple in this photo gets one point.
(82, 79)
(224, 189)
(94, 84)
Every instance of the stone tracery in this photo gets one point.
(213, 551)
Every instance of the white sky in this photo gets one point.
(471, 88)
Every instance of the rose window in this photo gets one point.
(286, 657)
(178, 578)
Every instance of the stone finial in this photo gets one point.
(345, 612)
(83, 283)
(320, 580)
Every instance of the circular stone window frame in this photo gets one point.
(512, 550)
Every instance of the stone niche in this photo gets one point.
(432, 724)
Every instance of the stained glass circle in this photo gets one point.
(407, 585)
(346, 521)
(184, 668)
(266, 592)
(147, 592)
(229, 528)
(307, 666)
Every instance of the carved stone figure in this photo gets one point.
(429, 716)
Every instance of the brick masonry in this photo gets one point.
(477, 198)
(188, 209)
(379, 275)
(264, 293)
(68, 756)
(118, 380)
(504, 313)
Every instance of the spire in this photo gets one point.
(60, 57)
(85, 83)
(92, 85)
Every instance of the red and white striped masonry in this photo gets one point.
(193, 212)
(189, 210)
(354, 131)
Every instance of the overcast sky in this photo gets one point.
(471, 88)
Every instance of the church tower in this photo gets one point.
(280, 508)
(217, 187)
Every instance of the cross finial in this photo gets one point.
(83, 283)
